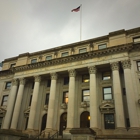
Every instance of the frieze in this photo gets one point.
(77, 57)
(115, 66)
(126, 64)
(92, 69)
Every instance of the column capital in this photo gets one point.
(126, 64)
(115, 66)
(37, 78)
(72, 73)
(92, 69)
(54, 76)
(22, 81)
(14, 82)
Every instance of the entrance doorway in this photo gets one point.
(85, 120)
(44, 119)
(63, 123)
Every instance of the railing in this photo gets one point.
(52, 136)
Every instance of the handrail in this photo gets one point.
(52, 136)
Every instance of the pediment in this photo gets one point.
(107, 105)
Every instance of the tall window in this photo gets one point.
(8, 85)
(85, 95)
(107, 93)
(48, 82)
(85, 78)
(33, 61)
(4, 100)
(102, 46)
(33, 84)
(66, 80)
(138, 65)
(106, 75)
(109, 121)
(48, 57)
(64, 54)
(136, 40)
(83, 50)
(47, 99)
(30, 100)
(1, 121)
(65, 97)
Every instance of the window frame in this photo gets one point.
(106, 126)
(100, 46)
(4, 100)
(32, 60)
(107, 93)
(88, 78)
(105, 76)
(138, 65)
(64, 54)
(65, 98)
(49, 57)
(82, 50)
(86, 95)
(7, 86)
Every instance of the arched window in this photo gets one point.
(44, 119)
(63, 123)
(85, 120)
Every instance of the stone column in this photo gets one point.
(11, 103)
(93, 100)
(51, 108)
(18, 104)
(117, 92)
(33, 108)
(131, 103)
(71, 102)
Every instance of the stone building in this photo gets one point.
(89, 84)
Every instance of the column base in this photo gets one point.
(49, 132)
(31, 132)
(66, 133)
(134, 130)
(97, 130)
(120, 130)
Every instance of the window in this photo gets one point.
(48, 57)
(107, 93)
(66, 80)
(30, 100)
(64, 54)
(106, 75)
(65, 97)
(12, 65)
(85, 78)
(8, 85)
(103, 46)
(47, 99)
(136, 40)
(124, 91)
(4, 100)
(109, 121)
(1, 121)
(138, 64)
(48, 82)
(85, 95)
(82, 50)
(33, 61)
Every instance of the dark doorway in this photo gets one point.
(44, 119)
(63, 123)
(85, 120)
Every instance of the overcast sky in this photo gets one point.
(34, 25)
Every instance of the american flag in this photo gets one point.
(76, 9)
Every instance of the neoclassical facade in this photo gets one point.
(89, 84)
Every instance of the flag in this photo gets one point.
(76, 9)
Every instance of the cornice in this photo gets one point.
(74, 58)
(6, 72)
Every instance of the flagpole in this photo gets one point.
(80, 22)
